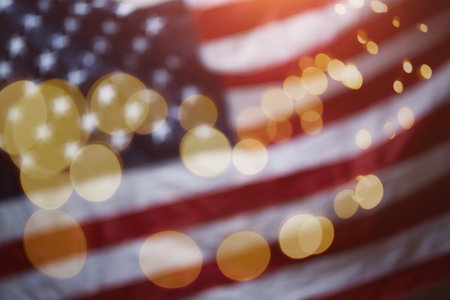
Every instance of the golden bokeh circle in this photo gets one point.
(252, 122)
(300, 236)
(336, 69)
(293, 87)
(170, 259)
(243, 255)
(49, 193)
(314, 80)
(368, 191)
(55, 244)
(197, 110)
(344, 204)
(96, 172)
(327, 234)
(276, 104)
(363, 139)
(405, 117)
(352, 77)
(205, 151)
(249, 156)
(108, 98)
(311, 122)
(154, 111)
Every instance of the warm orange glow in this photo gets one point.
(396, 22)
(279, 132)
(407, 66)
(322, 60)
(340, 9)
(327, 234)
(398, 86)
(336, 69)
(170, 259)
(293, 87)
(405, 117)
(252, 123)
(311, 123)
(368, 191)
(96, 172)
(422, 27)
(243, 256)
(372, 47)
(425, 71)
(276, 104)
(249, 156)
(363, 139)
(344, 204)
(108, 98)
(352, 77)
(378, 6)
(197, 110)
(49, 193)
(52, 236)
(356, 3)
(314, 80)
(205, 151)
(300, 236)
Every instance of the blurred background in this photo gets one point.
(224, 149)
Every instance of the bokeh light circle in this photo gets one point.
(243, 255)
(55, 244)
(205, 151)
(170, 259)
(96, 172)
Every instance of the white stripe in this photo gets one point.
(370, 66)
(203, 4)
(143, 3)
(280, 41)
(143, 188)
(119, 264)
(345, 270)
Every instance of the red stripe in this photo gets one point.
(376, 91)
(236, 17)
(346, 45)
(348, 235)
(400, 283)
(204, 208)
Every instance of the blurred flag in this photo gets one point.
(240, 149)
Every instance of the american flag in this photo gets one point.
(295, 149)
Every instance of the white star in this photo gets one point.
(81, 8)
(16, 45)
(101, 45)
(14, 114)
(71, 25)
(109, 27)
(46, 61)
(133, 111)
(59, 41)
(89, 122)
(120, 140)
(161, 77)
(99, 3)
(154, 25)
(71, 149)
(140, 44)
(43, 132)
(5, 4)
(27, 160)
(31, 21)
(106, 94)
(124, 9)
(76, 77)
(162, 133)
(189, 91)
(88, 59)
(60, 106)
(44, 5)
(5, 69)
